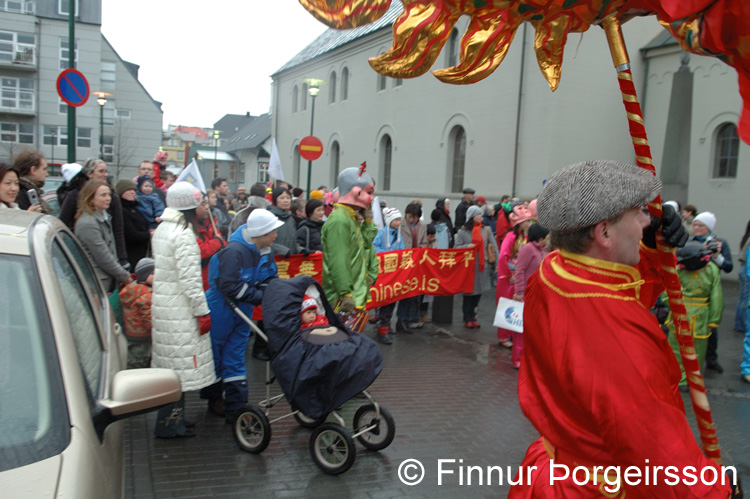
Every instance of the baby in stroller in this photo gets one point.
(320, 366)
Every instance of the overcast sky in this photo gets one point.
(203, 60)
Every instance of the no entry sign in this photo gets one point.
(310, 148)
(73, 88)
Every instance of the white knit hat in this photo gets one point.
(706, 218)
(70, 170)
(261, 222)
(390, 214)
(183, 196)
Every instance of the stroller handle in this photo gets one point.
(247, 319)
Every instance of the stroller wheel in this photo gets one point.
(308, 422)
(332, 448)
(379, 437)
(251, 430)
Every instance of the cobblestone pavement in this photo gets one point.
(452, 394)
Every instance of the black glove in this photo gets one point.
(737, 491)
(671, 226)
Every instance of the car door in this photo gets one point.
(93, 463)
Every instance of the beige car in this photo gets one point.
(62, 390)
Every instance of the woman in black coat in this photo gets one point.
(135, 226)
(308, 232)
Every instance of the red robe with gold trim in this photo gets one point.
(599, 381)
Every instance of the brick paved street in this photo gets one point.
(452, 394)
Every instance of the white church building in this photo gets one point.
(423, 139)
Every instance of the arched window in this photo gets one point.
(303, 96)
(381, 82)
(453, 49)
(332, 88)
(457, 158)
(294, 99)
(386, 153)
(345, 84)
(726, 151)
(335, 157)
(398, 82)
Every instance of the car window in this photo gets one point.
(33, 413)
(83, 322)
(88, 275)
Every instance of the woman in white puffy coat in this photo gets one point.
(179, 310)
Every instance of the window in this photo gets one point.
(18, 133)
(263, 171)
(18, 93)
(18, 6)
(82, 319)
(55, 135)
(726, 152)
(232, 174)
(332, 88)
(386, 151)
(108, 74)
(65, 53)
(294, 99)
(63, 7)
(83, 136)
(108, 115)
(303, 96)
(335, 157)
(453, 49)
(17, 48)
(122, 113)
(398, 82)
(345, 84)
(458, 158)
(216, 170)
(181, 155)
(381, 82)
(108, 148)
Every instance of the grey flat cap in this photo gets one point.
(584, 194)
(469, 190)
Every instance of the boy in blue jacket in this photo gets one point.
(149, 203)
(240, 272)
(388, 239)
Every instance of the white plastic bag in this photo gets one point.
(509, 315)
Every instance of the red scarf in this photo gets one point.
(478, 241)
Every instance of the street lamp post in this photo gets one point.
(313, 87)
(101, 99)
(217, 133)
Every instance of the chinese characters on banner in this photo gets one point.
(402, 274)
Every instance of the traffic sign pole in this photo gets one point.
(71, 65)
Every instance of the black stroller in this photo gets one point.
(318, 370)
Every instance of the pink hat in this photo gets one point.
(161, 157)
(519, 214)
(308, 303)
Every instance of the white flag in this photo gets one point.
(192, 174)
(274, 166)
(377, 213)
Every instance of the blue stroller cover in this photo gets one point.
(315, 378)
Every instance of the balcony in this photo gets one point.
(18, 6)
(18, 56)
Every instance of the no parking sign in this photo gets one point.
(73, 88)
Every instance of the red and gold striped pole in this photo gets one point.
(701, 408)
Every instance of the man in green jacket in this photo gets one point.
(348, 256)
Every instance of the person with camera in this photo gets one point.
(721, 254)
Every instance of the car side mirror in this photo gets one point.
(134, 392)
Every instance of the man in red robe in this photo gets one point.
(597, 379)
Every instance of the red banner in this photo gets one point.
(402, 274)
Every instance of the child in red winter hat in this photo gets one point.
(310, 316)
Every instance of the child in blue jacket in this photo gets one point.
(388, 239)
(149, 203)
(240, 272)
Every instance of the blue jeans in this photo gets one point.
(740, 316)
(745, 366)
